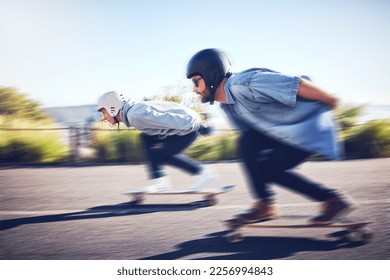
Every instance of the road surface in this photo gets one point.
(80, 212)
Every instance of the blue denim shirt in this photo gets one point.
(267, 101)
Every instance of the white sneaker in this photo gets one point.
(205, 177)
(157, 185)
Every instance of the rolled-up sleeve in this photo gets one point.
(268, 86)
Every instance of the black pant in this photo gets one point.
(268, 161)
(168, 150)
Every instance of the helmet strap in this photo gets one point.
(213, 90)
(212, 95)
(116, 121)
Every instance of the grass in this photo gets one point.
(18, 145)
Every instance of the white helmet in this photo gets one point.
(112, 102)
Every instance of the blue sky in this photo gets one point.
(68, 52)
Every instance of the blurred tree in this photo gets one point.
(369, 140)
(19, 105)
(348, 116)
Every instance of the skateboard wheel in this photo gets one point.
(352, 236)
(211, 200)
(359, 235)
(138, 199)
(234, 237)
(366, 235)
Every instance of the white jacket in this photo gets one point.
(160, 118)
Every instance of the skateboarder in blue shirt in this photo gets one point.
(282, 119)
(167, 130)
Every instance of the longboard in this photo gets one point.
(209, 194)
(354, 231)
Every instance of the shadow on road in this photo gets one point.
(252, 248)
(104, 211)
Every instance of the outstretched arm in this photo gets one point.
(309, 90)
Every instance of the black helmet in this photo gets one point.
(213, 65)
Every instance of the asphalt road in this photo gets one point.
(81, 213)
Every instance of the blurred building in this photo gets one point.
(77, 122)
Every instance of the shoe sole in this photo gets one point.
(246, 221)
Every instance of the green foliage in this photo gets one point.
(369, 140)
(31, 147)
(18, 111)
(126, 146)
(122, 146)
(348, 116)
(17, 105)
(217, 147)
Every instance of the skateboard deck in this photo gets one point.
(209, 194)
(354, 231)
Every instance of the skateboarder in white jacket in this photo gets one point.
(167, 128)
